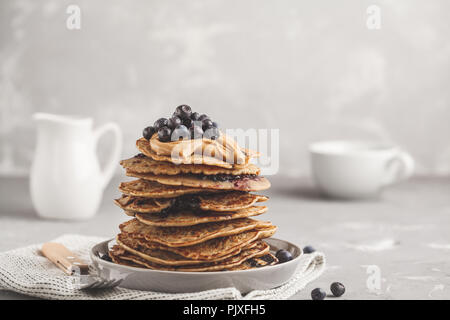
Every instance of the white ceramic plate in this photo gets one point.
(178, 282)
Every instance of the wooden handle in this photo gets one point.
(64, 258)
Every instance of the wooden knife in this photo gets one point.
(65, 259)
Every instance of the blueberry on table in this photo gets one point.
(337, 289)
(180, 132)
(212, 133)
(283, 255)
(195, 116)
(148, 132)
(174, 122)
(318, 294)
(308, 249)
(164, 134)
(183, 111)
(161, 122)
(196, 132)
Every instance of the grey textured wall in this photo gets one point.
(311, 68)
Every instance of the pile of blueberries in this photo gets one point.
(184, 124)
(337, 288)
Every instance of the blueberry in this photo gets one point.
(164, 134)
(337, 289)
(212, 133)
(174, 122)
(188, 123)
(318, 294)
(215, 124)
(161, 122)
(203, 117)
(180, 132)
(283, 255)
(206, 124)
(308, 249)
(183, 111)
(148, 132)
(195, 116)
(196, 132)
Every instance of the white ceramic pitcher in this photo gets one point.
(66, 181)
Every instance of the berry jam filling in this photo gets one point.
(228, 177)
(180, 204)
(187, 202)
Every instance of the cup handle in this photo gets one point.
(114, 158)
(399, 167)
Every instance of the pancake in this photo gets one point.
(144, 147)
(163, 257)
(260, 249)
(210, 249)
(252, 183)
(142, 164)
(233, 200)
(221, 202)
(133, 204)
(151, 189)
(187, 236)
(182, 218)
(116, 254)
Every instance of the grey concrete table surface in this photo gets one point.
(394, 247)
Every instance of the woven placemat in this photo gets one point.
(27, 272)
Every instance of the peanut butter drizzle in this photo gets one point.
(224, 148)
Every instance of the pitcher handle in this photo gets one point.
(399, 167)
(114, 158)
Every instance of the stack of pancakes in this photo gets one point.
(193, 216)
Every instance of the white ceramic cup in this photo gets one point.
(357, 169)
